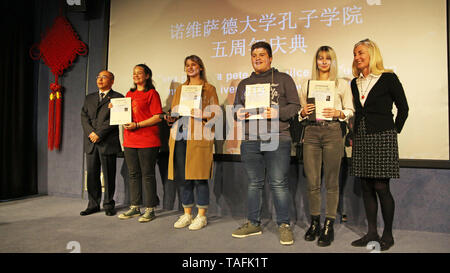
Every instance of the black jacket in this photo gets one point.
(95, 118)
(377, 108)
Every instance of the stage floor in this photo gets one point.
(51, 224)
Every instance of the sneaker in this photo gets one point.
(198, 223)
(149, 215)
(286, 237)
(248, 229)
(132, 212)
(184, 221)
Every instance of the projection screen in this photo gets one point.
(411, 34)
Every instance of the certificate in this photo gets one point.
(120, 111)
(257, 96)
(191, 98)
(323, 93)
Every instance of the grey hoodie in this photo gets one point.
(283, 95)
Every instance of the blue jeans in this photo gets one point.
(276, 165)
(187, 186)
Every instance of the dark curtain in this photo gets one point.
(18, 101)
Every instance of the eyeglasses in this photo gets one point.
(103, 77)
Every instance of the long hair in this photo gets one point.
(196, 59)
(333, 66)
(149, 82)
(376, 66)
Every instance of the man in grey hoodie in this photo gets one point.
(266, 147)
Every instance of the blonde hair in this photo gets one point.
(376, 61)
(196, 59)
(333, 66)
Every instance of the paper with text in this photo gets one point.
(257, 96)
(120, 111)
(191, 98)
(323, 92)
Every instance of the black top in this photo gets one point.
(377, 108)
(95, 118)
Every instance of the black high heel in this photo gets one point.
(386, 244)
(362, 242)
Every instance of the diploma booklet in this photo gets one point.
(257, 96)
(120, 111)
(323, 94)
(191, 98)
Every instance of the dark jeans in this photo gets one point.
(323, 144)
(141, 171)
(274, 165)
(187, 186)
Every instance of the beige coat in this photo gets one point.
(199, 147)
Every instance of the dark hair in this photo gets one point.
(196, 59)
(262, 44)
(149, 82)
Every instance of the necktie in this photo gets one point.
(102, 96)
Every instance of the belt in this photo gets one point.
(322, 122)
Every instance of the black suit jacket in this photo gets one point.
(95, 118)
(377, 108)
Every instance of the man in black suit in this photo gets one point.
(101, 144)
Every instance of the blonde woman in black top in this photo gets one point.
(375, 149)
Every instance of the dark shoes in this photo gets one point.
(386, 244)
(314, 229)
(89, 211)
(327, 233)
(108, 212)
(362, 242)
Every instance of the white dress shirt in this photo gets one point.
(343, 99)
(100, 93)
(365, 84)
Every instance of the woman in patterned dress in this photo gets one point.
(375, 149)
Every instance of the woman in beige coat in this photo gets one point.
(191, 146)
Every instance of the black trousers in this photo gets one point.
(94, 163)
(141, 164)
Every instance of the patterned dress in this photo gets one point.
(375, 155)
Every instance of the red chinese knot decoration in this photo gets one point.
(58, 49)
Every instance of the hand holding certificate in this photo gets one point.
(120, 111)
(190, 99)
(257, 100)
(323, 94)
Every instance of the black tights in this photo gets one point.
(371, 188)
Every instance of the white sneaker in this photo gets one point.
(184, 221)
(198, 223)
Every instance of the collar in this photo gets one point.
(371, 75)
(264, 74)
(187, 83)
(105, 92)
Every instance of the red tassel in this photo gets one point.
(51, 116)
(58, 119)
(58, 49)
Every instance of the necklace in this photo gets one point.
(363, 93)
